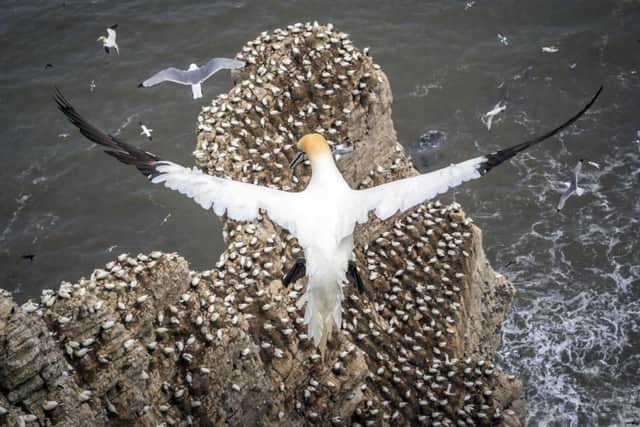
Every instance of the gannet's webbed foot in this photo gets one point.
(298, 270)
(354, 277)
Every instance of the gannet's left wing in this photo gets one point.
(387, 199)
(240, 201)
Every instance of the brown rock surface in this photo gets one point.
(146, 341)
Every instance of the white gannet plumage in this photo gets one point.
(322, 217)
(109, 42)
(194, 76)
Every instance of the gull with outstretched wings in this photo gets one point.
(194, 76)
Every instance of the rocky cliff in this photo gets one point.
(145, 341)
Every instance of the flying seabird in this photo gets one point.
(487, 118)
(194, 76)
(573, 185)
(145, 131)
(322, 217)
(110, 41)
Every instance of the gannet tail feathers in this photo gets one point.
(319, 316)
(494, 159)
(144, 161)
(196, 89)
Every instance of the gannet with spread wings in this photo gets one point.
(322, 217)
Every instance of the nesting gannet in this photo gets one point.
(573, 185)
(194, 76)
(322, 217)
(549, 49)
(145, 131)
(110, 41)
(487, 118)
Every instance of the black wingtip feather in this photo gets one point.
(498, 157)
(144, 161)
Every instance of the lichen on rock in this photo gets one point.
(145, 340)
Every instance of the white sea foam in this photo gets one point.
(572, 332)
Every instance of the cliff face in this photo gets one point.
(145, 340)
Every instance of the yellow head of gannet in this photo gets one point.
(311, 146)
(314, 144)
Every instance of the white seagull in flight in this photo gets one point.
(322, 217)
(194, 76)
(110, 41)
(145, 131)
(487, 118)
(573, 185)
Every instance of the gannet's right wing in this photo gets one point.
(387, 199)
(239, 200)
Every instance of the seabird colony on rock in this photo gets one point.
(194, 76)
(300, 80)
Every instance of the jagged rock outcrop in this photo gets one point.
(146, 341)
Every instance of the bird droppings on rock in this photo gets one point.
(146, 339)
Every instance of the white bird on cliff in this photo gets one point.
(194, 76)
(322, 217)
(110, 41)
